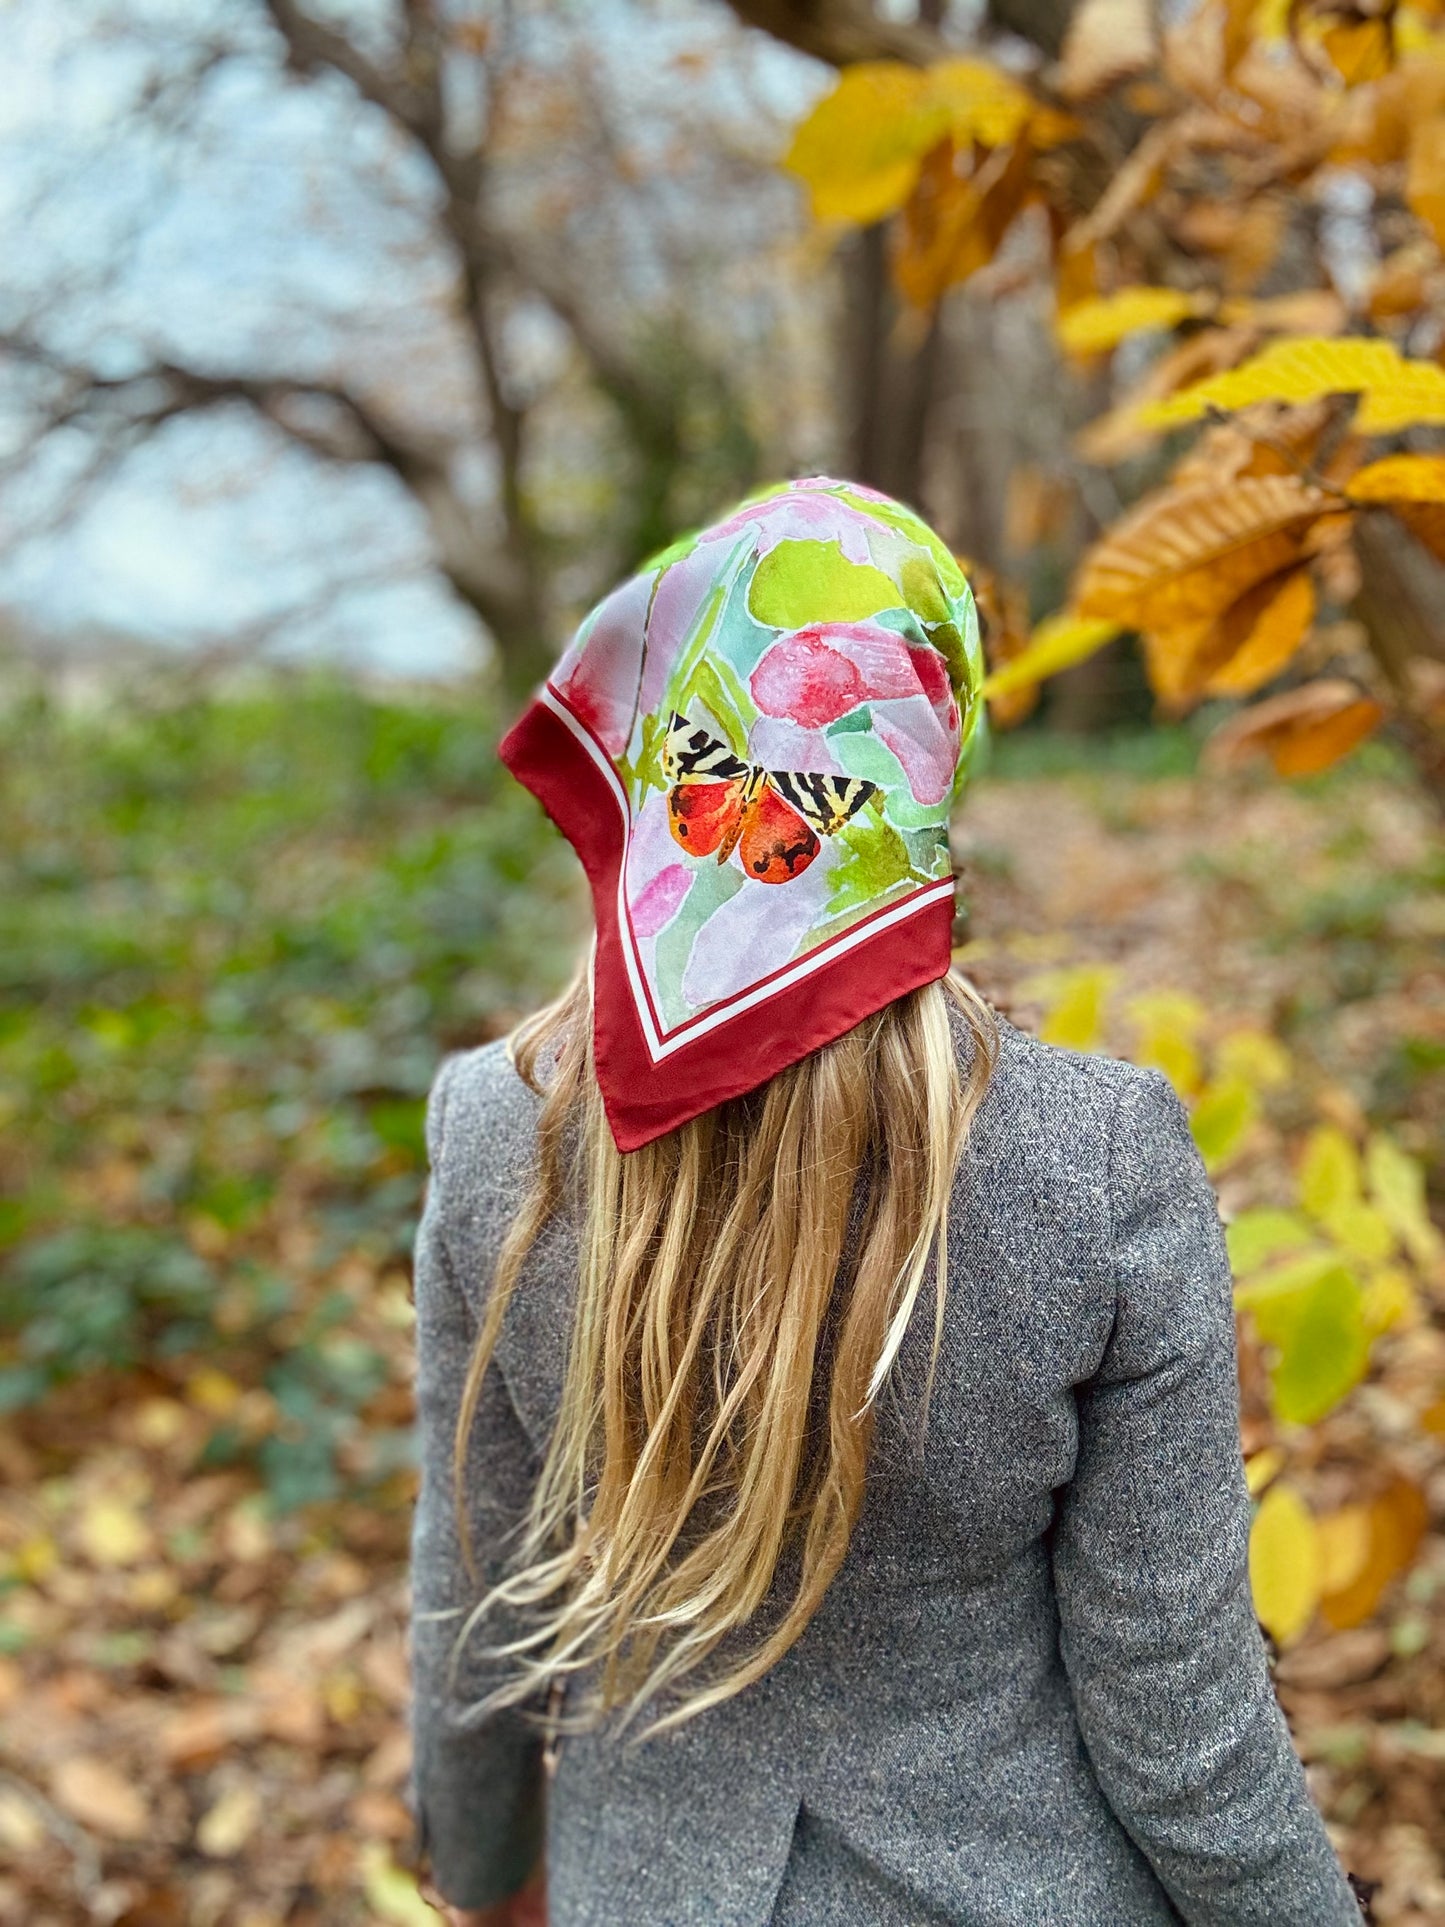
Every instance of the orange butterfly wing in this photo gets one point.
(776, 845)
(704, 817)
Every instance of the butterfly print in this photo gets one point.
(717, 803)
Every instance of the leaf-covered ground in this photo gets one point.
(234, 938)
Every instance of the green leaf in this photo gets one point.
(1225, 1110)
(1361, 1230)
(803, 582)
(1326, 1352)
(1397, 1190)
(1257, 1236)
(392, 1894)
(1273, 1298)
(1329, 1173)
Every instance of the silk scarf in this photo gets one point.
(754, 745)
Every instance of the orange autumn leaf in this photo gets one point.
(1302, 732)
(1179, 559)
(1257, 637)
(953, 224)
(1395, 1524)
(1425, 175)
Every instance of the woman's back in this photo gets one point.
(1035, 1690)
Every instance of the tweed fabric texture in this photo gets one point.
(1036, 1692)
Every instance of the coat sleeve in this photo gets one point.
(1151, 1542)
(476, 1790)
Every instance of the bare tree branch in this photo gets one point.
(328, 419)
(843, 31)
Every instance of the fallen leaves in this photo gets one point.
(100, 1797)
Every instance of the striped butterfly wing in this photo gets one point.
(788, 815)
(709, 789)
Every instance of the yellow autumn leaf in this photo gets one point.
(1390, 1299)
(1284, 1563)
(1222, 1115)
(1399, 478)
(954, 224)
(212, 1391)
(1057, 643)
(35, 1558)
(1394, 392)
(112, 1533)
(1359, 50)
(859, 151)
(1344, 1541)
(1092, 327)
(1262, 1468)
(1412, 487)
(980, 101)
(1168, 1022)
(1360, 1230)
(1255, 1056)
(1073, 1004)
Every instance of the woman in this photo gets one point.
(827, 1393)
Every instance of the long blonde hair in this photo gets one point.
(745, 1284)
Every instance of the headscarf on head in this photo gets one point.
(754, 746)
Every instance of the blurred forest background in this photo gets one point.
(348, 352)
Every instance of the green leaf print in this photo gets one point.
(715, 685)
(644, 772)
(925, 595)
(799, 583)
(894, 516)
(875, 861)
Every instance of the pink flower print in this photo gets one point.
(860, 489)
(659, 901)
(806, 517)
(598, 674)
(818, 674)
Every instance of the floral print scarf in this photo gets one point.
(755, 745)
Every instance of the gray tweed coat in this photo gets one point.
(1036, 1692)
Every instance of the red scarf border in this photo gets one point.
(652, 1080)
